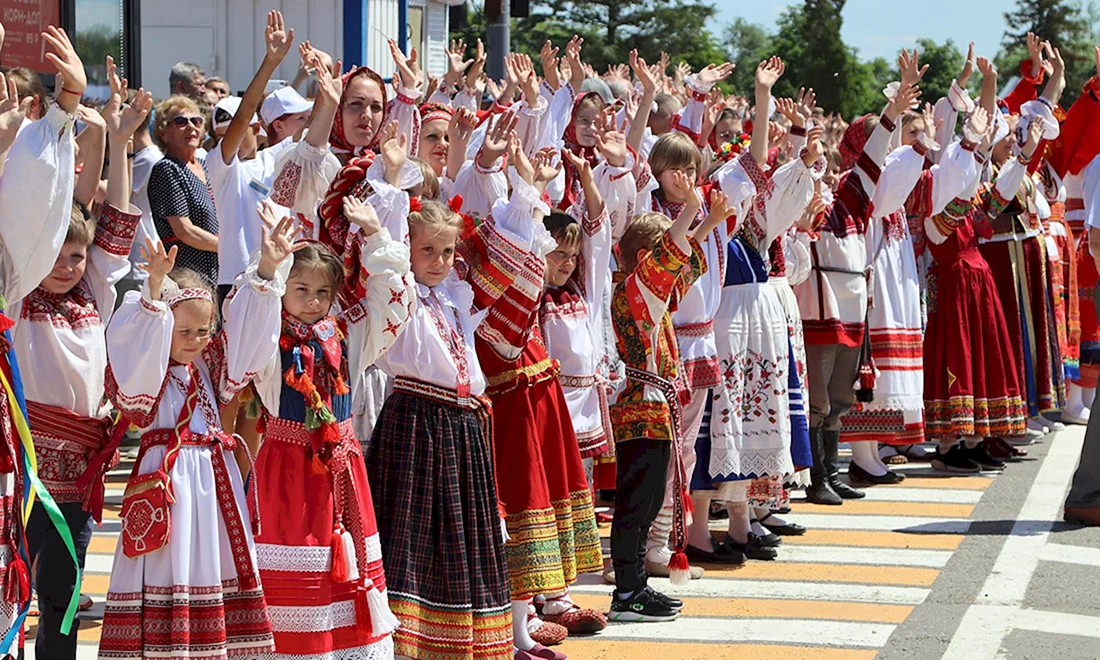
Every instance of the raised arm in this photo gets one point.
(645, 105)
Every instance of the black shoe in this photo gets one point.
(642, 607)
(673, 603)
(819, 491)
(844, 490)
(856, 474)
(822, 493)
(721, 555)
(980, 455)
(830, 441)
(769, 539)
(956, 460)
(754, 548)
(786, 529)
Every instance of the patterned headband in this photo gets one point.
(174, 298)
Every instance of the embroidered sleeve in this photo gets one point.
(557, 117)
(594, 264)
(938, 228)
(109, 258)
(250, 330)
(404, 110)
(388, 302)
(690, 121)
(529, 125)
(139, 341)
(780, 200)
(649, 289)
(693, 270)
(618, 189)
(496, 251)
(36, 196)
(304, 175)
(480, 189)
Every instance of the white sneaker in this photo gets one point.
(1038, 425)
(1057, 426)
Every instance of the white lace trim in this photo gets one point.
(759, 462)
(896, 402)
(380, 650)
(316, 618)
(307, 558)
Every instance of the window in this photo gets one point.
(99, 28)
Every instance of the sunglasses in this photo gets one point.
(181, 121)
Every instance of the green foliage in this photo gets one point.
(94, 44)
(1069, 25)
(747, 44)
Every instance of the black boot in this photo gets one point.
(830, 441)
(819, 491)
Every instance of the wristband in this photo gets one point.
(69, 91)
(1023, 160)
(798, 131)
(969, 145)
(887, 123)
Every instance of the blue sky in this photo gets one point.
(879, 28)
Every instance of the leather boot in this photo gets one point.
(830, 442)
(819, 491)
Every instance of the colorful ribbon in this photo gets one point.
(32, 486)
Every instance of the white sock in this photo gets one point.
(865, 455)
(1088, 395)
(558, 605)
(699, 530)
(878, 457)
(740, 526)
(657, 548)
(762, 512)
(522, 638)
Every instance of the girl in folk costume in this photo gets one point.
(833, 300)
(541, 480)
(184, 581)
(59, 322)
(318, 550)
(748, 454)
(1015, 253)
(909, 185)
(430, 459)
(1066, 158)
(971, 388)
(37, 198)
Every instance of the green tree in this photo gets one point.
(1066, 24)
(746, 45)
(945, 63)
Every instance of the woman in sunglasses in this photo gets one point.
(179, 193)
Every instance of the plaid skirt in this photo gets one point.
(430, 467)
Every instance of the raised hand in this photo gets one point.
(549, 57)
(573, 58)
(545, 168)
(907, 64)
(277, 38)
(12, 111)
(124, 118)
(524, 169)
(806, 103)
(473, 74)
(529, 80)
(456, 61)
(118, 85)
(1034, 136)
(768, 73)
(976, 125)
(1035, 50)
(68, 65)
(968, 68)
(362, 215)
(986, 68)
(495, 89)
(276, 241)
(1058, 64)
(683, 187)
(713, 73)
(789, 109)
(158, 263)
(496, 138)
(306, 50)
(928, 114)
(619, 70)
(905, 99)
(330, 87)
(462, 125)
(643, 73)
(610, 142)
(393, 149)
(719, 211)
(814, 147)
(408, 67)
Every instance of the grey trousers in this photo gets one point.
(1085, 490)
(832, 370)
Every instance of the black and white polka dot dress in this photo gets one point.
(174, 190)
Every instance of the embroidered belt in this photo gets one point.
(528, 375)
(672, 396)
(577, 381)
(695, 329)
(219, 443)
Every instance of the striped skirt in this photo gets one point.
(430, 467)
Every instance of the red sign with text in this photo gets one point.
(24, 21)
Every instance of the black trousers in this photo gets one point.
(641, 473)
(55, 576)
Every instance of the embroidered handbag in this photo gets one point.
(146, 518)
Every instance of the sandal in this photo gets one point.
(578, 621)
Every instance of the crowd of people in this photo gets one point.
(388, 345)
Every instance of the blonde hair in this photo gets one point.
(81, 226)
(320, 257)
(644, 231)
(433, 216)
(430, 188)
(674, 150)
(28, 83)
(179, 103)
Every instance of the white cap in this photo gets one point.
(225, 110)
(283, 101)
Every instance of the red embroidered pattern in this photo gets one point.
(115, 229)
(284, 190)
(74, 310)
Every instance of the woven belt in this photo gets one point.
(437, 393)
(695, 329)
(577, 381)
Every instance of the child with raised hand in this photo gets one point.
(660, 260)
(185, 526)
(319, 545)
(430, 459)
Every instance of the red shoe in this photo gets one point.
(605, 517)
(578, 622)
(549, 634)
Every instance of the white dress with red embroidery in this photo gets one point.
(199, 595)
(896, 414)
(62, 350)
(36, 196)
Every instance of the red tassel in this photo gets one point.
(330, 433)
(339, 561)
(679, 571)
(341, 387)
(317, 466)
(689, 504)
(17, 588)
(362, 612)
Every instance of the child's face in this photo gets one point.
(668, 186)
(192, 329)
(912, 132)
(67, 269)
(309, 295)
(727, 129)
(433, 253)
(561, 263)
(584, 125)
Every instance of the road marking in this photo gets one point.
(771, 608)
(1071, 554)
(1058, 623)
(861, 507)
(596, 647)
(912, 524)
(818, 633)
(782, 589)
(939, 496)
(985, 624)
(870, 556)
(856, 538)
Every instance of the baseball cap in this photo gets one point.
(283, 101)
(225, 109)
